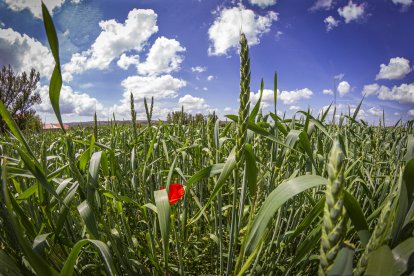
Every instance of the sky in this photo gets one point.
(185, 53)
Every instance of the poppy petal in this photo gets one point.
(175, 193)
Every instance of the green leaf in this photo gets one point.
(163, 212)
(308, 245)
(37, 171)
(57, 172)
(381, 262)
(37, 263)
(8, 266)
(357, 109)
(93, 176)
(274, 201)
(89, 219)
(28, 192)
(56, 79)
(357, 217)
(251, 169)
(343, 264)
(102, 249)
(64, 210)
(306, 145)
(227, 169)
(256, 108)
(314, 213)
(403, 254)
(410, 148)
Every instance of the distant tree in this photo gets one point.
(18, 93)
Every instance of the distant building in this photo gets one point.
(54, 126)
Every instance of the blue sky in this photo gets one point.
(184, 52)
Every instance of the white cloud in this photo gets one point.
(397, 68)
(198, 69)
(224, 32)
(352, 12)
(71, 102)
(322, 4)
(331, 23)
(23, 53)
(125, 61)
(267, 97)
(370, 89)
(397, 113)
(406, 3)
(343, 88)
(287, 97)
(278, 35)
(205, 88)
(210, 78)
(192, 103)
(34, 6)
(227, 109)
(327, 92)
(339, 76)
(114, 39)
(291, 97)
(403, 93)
(375, 111)
(411, 112)
(163, 57)
(263, 3)
(164, 86)
(294, 107)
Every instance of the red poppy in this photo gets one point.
(176, 192)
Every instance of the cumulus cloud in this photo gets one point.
(370, 89)
(210, 78)
(71, 102)
(198, 69)
(322, 5)
(343, 88)
(411, 112)
(375, 111)
(352, 12)
(227, 109)
(224, 32)
(403, 93)
(34, 6)
(125, 61)
(114, 39)
(23, 53)
(405, 3)
(291, 97)
(397, 68)
(163, 57)
(294, 107)
(331, 23)
(327, 92)
(287, 97)
(193, 104)
(164, 86)
(263, 3)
